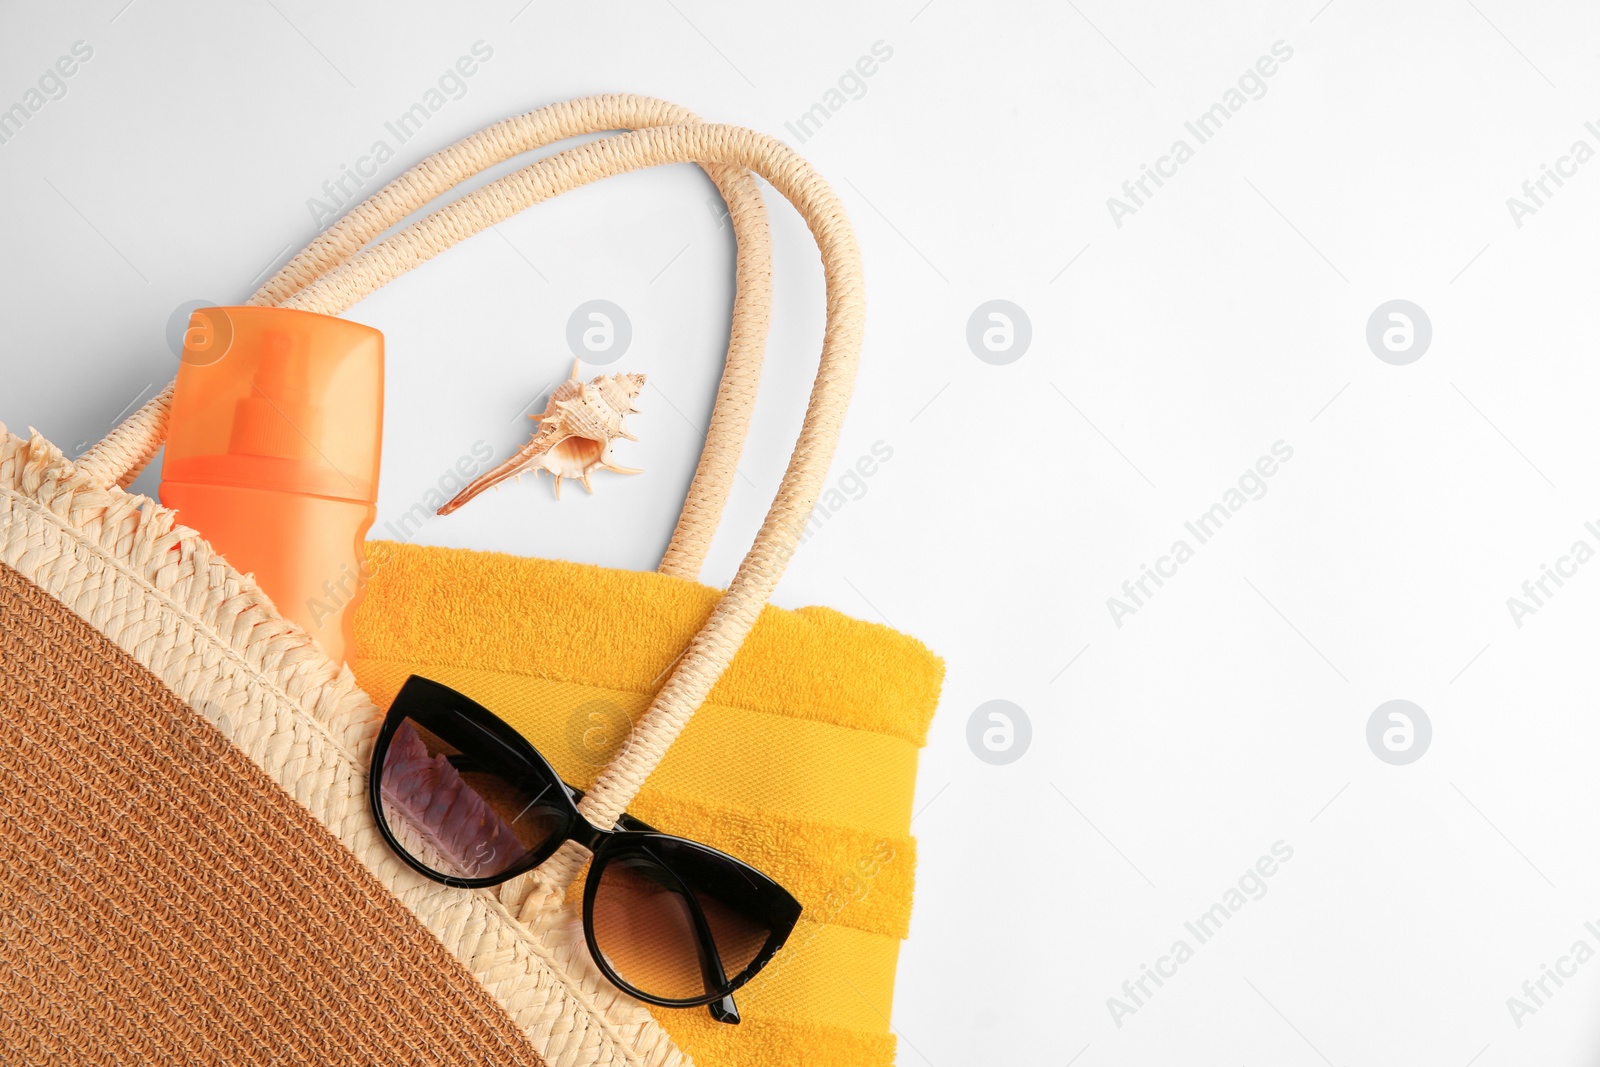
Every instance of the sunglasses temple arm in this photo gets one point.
(722, 1010)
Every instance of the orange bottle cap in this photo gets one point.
(276, 399)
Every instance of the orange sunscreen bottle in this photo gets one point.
(272, 455)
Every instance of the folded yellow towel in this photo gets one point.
(802, 762)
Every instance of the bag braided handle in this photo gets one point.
(130, 446)
(719, 640)
(714, 647)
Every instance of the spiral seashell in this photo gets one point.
(576, 432)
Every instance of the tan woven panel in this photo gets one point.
(162, 901)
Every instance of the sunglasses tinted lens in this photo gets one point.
(461, 816)
(648, 910)
(739, 937)
(644, 926)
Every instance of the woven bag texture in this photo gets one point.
(163, 901)
(154, 590)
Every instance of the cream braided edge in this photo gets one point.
(155, 588)
(125, 451)
(714, 647)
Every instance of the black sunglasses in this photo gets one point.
(669, 921)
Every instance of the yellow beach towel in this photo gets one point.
(802, 762)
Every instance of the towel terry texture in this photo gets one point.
(802, 762)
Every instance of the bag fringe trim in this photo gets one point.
(157, 590)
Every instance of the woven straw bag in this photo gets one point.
(190, 872)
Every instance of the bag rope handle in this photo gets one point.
(130, 446)
(719, 640)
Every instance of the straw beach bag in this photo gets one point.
(189, 870)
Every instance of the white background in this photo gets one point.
(1167, 355)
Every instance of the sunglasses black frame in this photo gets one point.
(480, 734)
